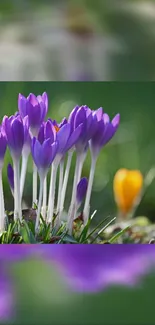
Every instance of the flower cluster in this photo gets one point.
(49, 143)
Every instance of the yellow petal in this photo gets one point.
(127, 186)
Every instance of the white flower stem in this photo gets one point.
(2, 208)
(86, 209)
(61, 173)
(17, 197)
(39, 205)
(51, 198)
(44, 206)
(65, 182)
(34, 199)
(72, 208)
(23, 174)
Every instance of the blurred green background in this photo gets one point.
(77, 40)
(132, 147)
(43, 297)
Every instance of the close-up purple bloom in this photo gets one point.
(35, 107)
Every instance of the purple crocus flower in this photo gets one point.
(104, 132)
(81, 190)
(43, 154)
(14, 130)
(35, 107)
(83, 115)
(47, 131)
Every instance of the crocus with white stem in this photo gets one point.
(35, 107)
(43, 156)
(66, 140)
(25, 153)
(14, 130)
(83, 115)
(3, 145)
(47, 131)
(104, 133)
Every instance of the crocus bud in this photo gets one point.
(81, 190)
(127, 186)
(10, 174)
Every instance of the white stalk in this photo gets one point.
(39, 204)
(35, 174)
(72, 208)
(44, 206)
(86, 209)
(61, 173)
(2, 208)
(17, 197)
(23, 173)
(51, 199)
(65, 182)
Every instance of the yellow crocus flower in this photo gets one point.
(127, 187)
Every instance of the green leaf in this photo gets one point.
(69, 239)
(120, 233)
(107, 225)
(86, 228)
(27, 234)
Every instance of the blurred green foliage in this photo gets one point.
(132, 147)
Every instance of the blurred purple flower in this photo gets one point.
(90, 267)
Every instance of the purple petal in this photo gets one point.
(80, 117)
(46, 154)
(74, 137)
(99, 113)
(62, 137)
(22, 105)
(71, 118)
(81, 189)
(50, 131)
(116, 121)
(3, 145)
(36, 152)
(94, 267)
